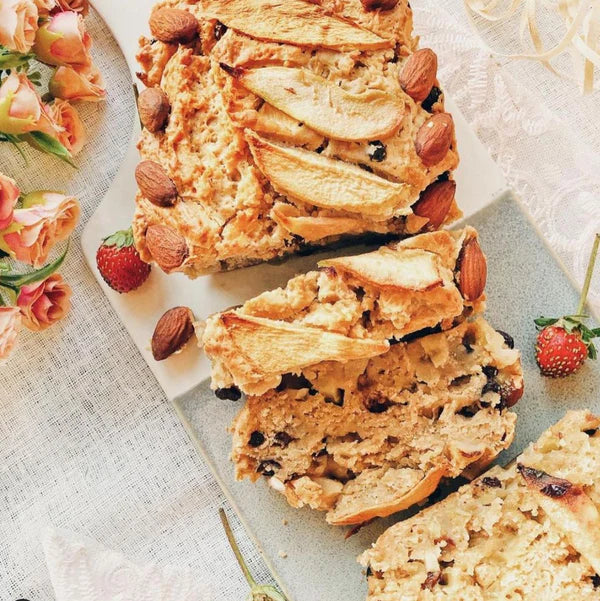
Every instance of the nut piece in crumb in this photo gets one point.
(173, 26)
(172, 332)
(435, 202)
(473, 270)
(434, 138)
(282, 554)
(418, 74)
(167, 247)
(154, 108)
(379, 4)
(155, 184)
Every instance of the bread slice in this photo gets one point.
(350, 309)
(290, 127)
(370, 437)
(530, 531)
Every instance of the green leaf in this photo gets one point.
(542, 322)
(592, 353)
(596, 332)
(18, 280)
(119, 239)
(9, 59)
(49, 145)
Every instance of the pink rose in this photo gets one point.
(10, 323)
(45, 219)
(71, 132)
(71, 84)
(44, 303)
(21, 108)
(79, 6)
(18, 24)
(63, 40)
(9, 194)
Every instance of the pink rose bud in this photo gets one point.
(71, 84)
(45, 6)
(10, 324)
(79, 6)
(45, 219)
(71, 132)
(63, 40)
(9, 194)
(21, 108)
(18, 24)
(44, 303)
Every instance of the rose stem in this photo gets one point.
(588, 275)
(235, 548)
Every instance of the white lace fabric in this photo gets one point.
(88, 441)
(82, 570)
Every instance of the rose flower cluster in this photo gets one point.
(30, 225)
(54, 33)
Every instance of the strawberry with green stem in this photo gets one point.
(258, 592)
(563, 344)
(119, 262)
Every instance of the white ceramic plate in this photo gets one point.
(479, 182)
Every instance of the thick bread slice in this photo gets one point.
(295, 22)
(529, 531)
(370, 437)
(369, 299)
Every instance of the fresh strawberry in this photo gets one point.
(120, 264)
(563, 344)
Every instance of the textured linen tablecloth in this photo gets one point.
(88, 441)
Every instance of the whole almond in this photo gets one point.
(167, 247)
(155, 184)
(473, 270)
(435, 202)
(172, 332)
(154, 108)
(434, 138)
(418, 74)
(379, 4)
(173, 26)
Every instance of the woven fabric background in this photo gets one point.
(88, 441)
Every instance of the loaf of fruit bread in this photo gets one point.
(271, 126)
(351, 308)
(529, 532)
(374, 436)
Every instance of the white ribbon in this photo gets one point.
(581, 19)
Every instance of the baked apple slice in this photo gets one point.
(293, 22)
(272, 347)
(323, 105)
(327, 183)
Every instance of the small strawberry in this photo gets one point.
(563, 344)
(119, 262)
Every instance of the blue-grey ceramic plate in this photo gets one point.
(524, 281)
